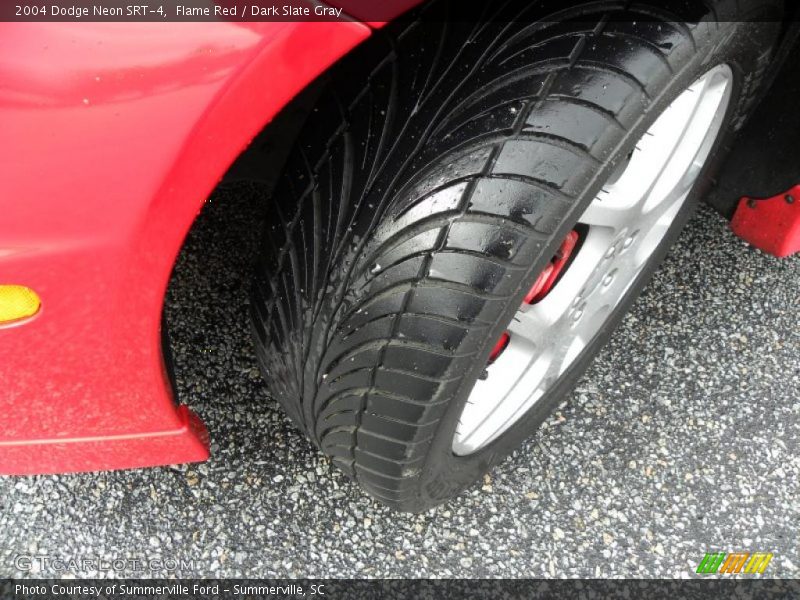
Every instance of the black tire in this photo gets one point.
(440, 169)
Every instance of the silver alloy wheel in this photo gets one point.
(623, 226)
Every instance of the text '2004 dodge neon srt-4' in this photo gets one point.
(471, 199)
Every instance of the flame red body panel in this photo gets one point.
(113, 136)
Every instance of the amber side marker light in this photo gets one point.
(17, 302)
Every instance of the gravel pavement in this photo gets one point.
(683, 437)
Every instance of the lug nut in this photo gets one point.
(627, 243)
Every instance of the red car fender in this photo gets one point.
(113, 136)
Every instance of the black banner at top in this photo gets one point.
(361, 10)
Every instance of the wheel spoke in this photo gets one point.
(680, 170)
(533, 322)
(489, 424)
(570, 353)
(657, 226)
(605, 212)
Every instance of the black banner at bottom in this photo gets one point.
(332, 589)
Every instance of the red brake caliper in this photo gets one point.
(547, 278)
(499, 347)
(543, 284)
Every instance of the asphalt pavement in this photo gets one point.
(682, 438)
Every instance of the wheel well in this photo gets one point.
(244, 188)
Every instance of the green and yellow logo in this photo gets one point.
(734, 562)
